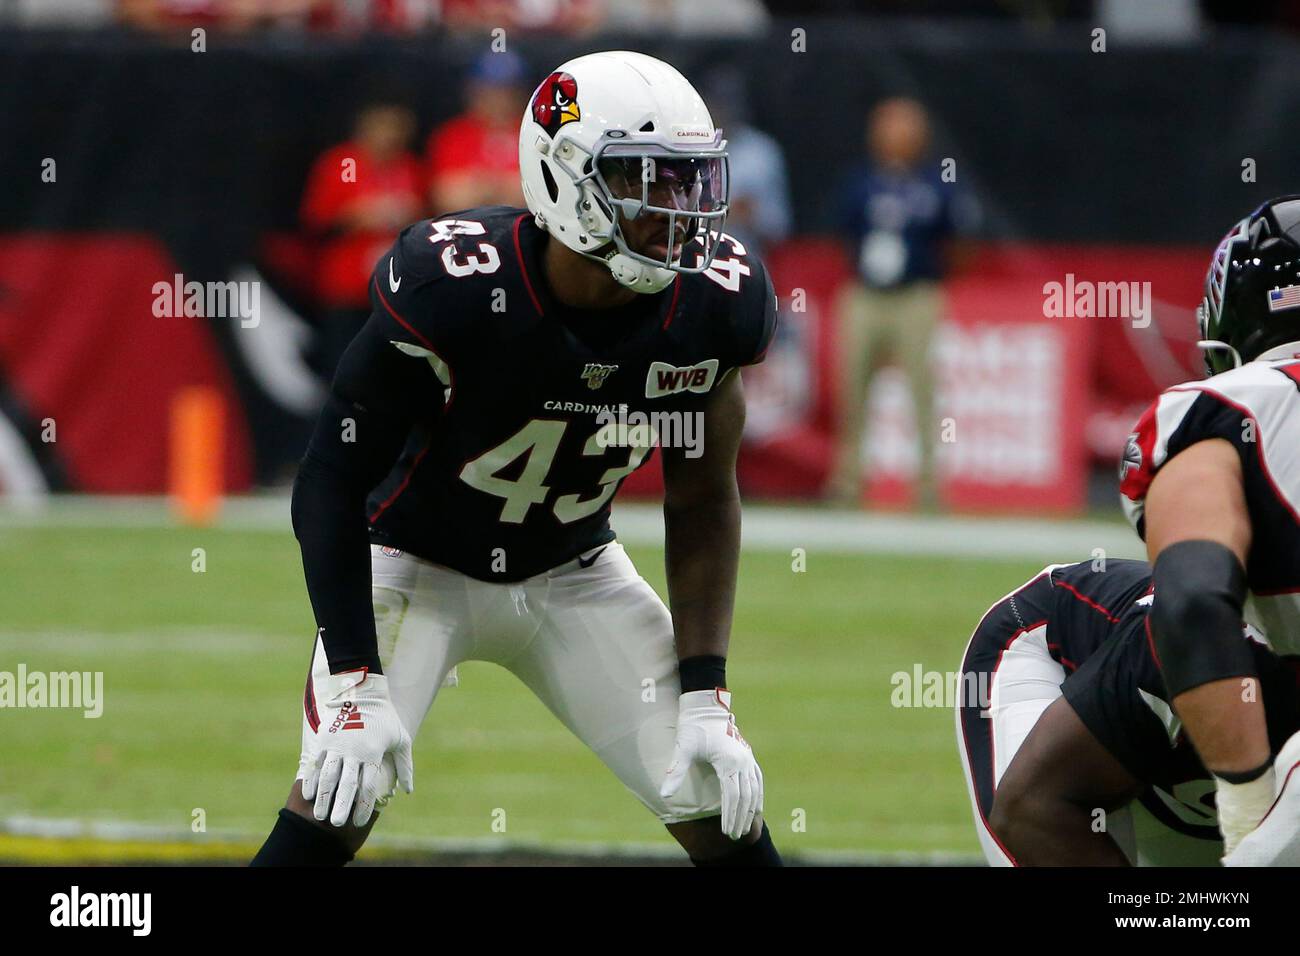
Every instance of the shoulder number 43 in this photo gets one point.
(459, 264)
(727, 272)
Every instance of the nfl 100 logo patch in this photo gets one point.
(594, 374)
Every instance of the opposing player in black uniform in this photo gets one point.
(454, 501)
(1073, 755)
(1211, 481)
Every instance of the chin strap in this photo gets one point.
(638, 276)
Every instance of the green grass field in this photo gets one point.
(203, 678)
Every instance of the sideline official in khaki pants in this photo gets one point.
(875, 325)
(898, 213)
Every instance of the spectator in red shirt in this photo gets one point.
(358, 195)
(552, 16)
(473, 159)
(229, 15)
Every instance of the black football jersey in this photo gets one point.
(1096, 628)
(1120, 696)
(536, 412)
(1070, 610)
(1081, 604)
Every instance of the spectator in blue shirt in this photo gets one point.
(898, 217)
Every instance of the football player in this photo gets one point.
(1072, 753)
(454, 500)
(1211, 480)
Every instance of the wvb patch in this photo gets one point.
(664, 379)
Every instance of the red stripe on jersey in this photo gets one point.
(402, 487)
(402, 322)
(672, 306)
(1087, 600)
(451, 375)
(993, 757)
(980, 810)
(965, 742)
(1292, 372)
(1065, 661)
(523, 269)
(425, 450)
(1151, 642)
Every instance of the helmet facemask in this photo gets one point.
(1212, 348)
(1210, 312)
(647, 176)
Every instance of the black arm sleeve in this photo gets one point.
(359, 436)
(1196, 618)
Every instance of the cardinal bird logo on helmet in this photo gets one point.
(556, 102)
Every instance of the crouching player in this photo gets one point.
(1073, 755)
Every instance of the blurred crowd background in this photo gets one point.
(915, 172)
(1167, 17)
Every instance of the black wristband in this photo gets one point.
(704, 672)
(1243, 776)
(369, 662)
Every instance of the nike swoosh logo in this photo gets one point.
(592, 560)
(393, 282)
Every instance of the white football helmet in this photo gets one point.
(623, 132)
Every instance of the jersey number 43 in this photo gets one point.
(537, 442)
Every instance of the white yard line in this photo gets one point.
(188, 640)
(766, 527)
(113, 831)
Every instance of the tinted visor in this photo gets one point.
(665, 183)
(686, 187)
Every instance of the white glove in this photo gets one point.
(706, 731)
(359, 729)
(1276, 840)
(1242, 806)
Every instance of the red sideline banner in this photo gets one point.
(87, 358)
(1012, 388)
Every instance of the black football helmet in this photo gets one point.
(1252, 288)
